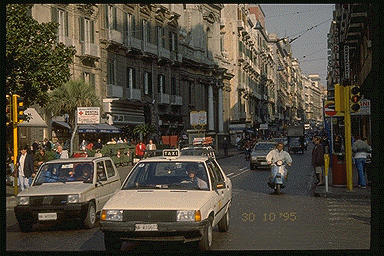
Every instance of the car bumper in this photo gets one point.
(65, 212)
(167, 231)
(259, 162)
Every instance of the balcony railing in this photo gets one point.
(133, 94)
(163, 53)
(114, 91)
(115, 36)
(163, 98)
(176, 100)
(89, 49)
(150, 48)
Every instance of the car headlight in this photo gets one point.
(112, 215)
(185, 215)
(254, 158)
(23, 200)
(73, 199)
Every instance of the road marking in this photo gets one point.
(229, 174)
(244, 168)
(240, 173)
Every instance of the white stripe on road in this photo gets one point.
(230, 174)
(240, 173)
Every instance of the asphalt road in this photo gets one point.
(260, 220)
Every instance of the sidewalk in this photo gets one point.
(343, 192)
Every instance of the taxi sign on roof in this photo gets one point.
(171, 153)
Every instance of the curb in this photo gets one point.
(342, 193)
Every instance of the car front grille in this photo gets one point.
(149, 215)
(48, 200)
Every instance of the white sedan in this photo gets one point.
(169, 198)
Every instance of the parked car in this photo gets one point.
(158, 201)
(259, 153)
(198, 151)
(74, 188)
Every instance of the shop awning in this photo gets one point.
(35, 119)
(61, 123)
(100, 128)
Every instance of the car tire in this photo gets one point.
(224, 222)
(112, 243)
(206, 242)
(25, 226)
(90, 219)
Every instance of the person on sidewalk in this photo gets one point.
(225, 146)
(150, 146)
(24, 168)
(318, 160)
(60, 153)
(360, 149)
(139, 150)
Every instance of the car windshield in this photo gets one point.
(64, 172)
(168, 175)
(263, 146)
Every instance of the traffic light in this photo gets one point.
(8, 109)
(355, 98)
(18, 108)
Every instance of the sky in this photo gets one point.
(310, 23)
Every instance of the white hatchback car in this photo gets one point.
(169, 198)
(74, 188)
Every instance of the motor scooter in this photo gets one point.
(278, 177)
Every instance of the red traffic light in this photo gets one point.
(355, 98)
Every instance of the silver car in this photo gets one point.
(259, 153)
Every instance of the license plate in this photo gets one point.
(48, 216)
(263, 163)
(146, 227)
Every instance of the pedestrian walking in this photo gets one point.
(225, 146)
(152, 147)
(60, 153)
(139, 149)
(318, 160)
(360, 149)
(98, 144)
(39, 158)
(83, 145)
(24, 168)
(47, 144)
(35, 147)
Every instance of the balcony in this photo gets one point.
(163, 53)
(176, 100)
(149, 48)
(115, 36)
(89, 50)
(65, 40)
(133, 94)
(163, 98)
(133, 42)
(114, 91)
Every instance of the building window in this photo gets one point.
(222, 43)
(89, 78)
(173, 86)
(127, 24)
(145, 31)
(161, 84)
(111, 72)
(111, 17)
(148, 83)
(160, 36)
(86, 30)
(61, 17)
(131, 76)
(173, 41)
(190, 91)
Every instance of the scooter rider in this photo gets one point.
(278, 153)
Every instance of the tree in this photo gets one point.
(35, 61)
(66, 98)
(144, 130)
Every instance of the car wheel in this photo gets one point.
(25, 226)
(90, 219)
(112, 243)
(224, 222)
(206, 242)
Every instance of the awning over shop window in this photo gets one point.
(35, 119)
(100, 128)
(61, 123)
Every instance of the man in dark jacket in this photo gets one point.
(318, 160)
(24, 168)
